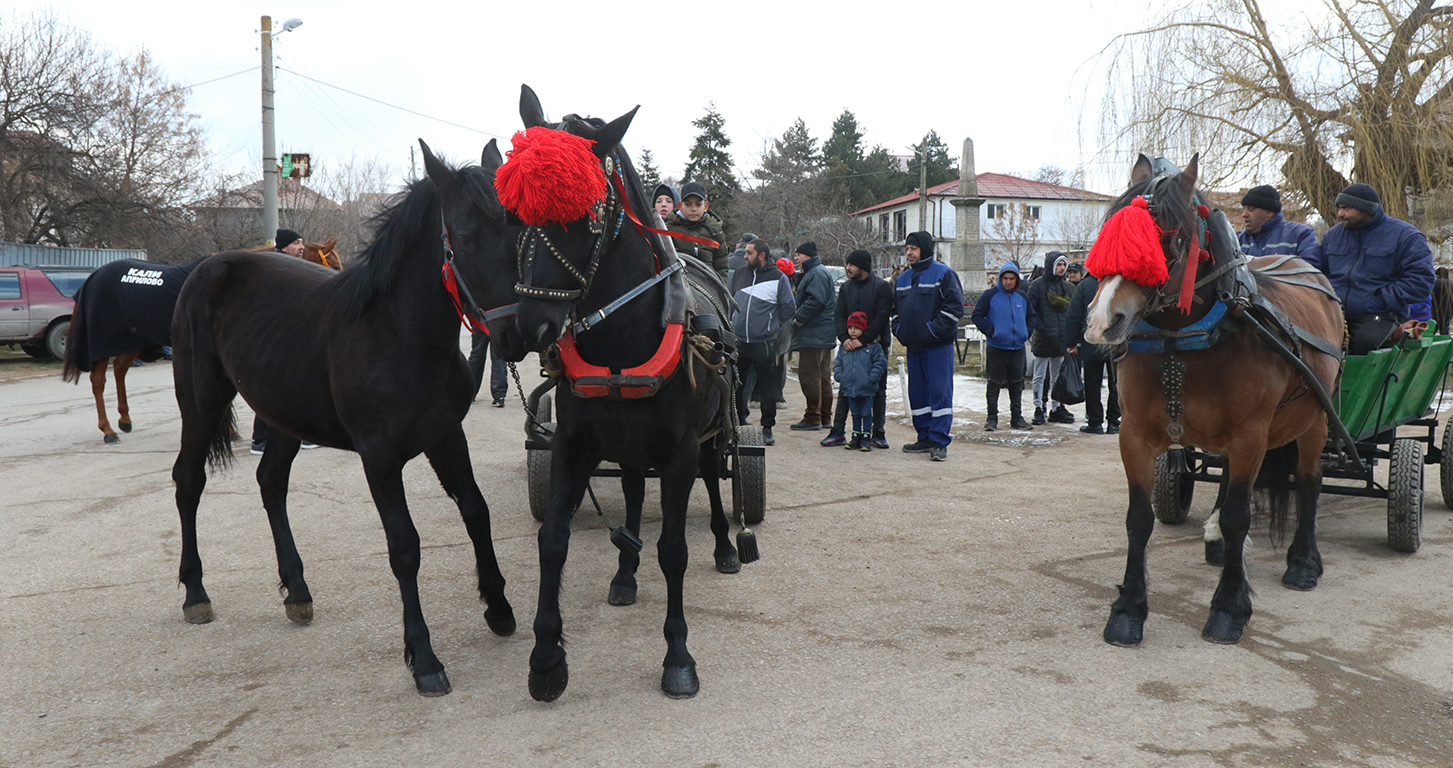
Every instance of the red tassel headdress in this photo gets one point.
(1129, 245)
(551, 177)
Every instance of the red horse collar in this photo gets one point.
(587, 380)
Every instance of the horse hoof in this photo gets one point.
(113, 439)
(622, 594)
(680, 682)
(125, 426)
(548, 685)
(501, 622)
(728, 563)
(1302, 578)
(433, 684)
(1216, 552)
(1124, 630)
(299, 613)
(201, 613)
(1223, 628)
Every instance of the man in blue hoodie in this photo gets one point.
(930, 303)
(1007, 318)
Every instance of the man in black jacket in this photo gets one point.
(1049, 295)
(863, 292)
(1096, 358)
(812, 336)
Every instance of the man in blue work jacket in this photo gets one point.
(930, 303)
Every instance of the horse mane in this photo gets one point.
(396, 230)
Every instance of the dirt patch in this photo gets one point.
(16, 365)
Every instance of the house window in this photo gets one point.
(1033, 211)
(900, 225)
(996, 210)
(883, 225)
(868, 221)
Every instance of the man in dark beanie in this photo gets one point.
(1267, 234)
(1380, 267)
(930, 304)
(812, 336)
(863, 292)
(289, 242)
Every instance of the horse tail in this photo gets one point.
(1276, 480)
(71, 371)
(219, 451)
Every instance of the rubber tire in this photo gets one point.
(37, 351)
(749, 481)
(1445, 475)
(537, 463)
(55, 339)
(1171, 497)
(1405, 495)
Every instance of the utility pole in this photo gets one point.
(923, 187)
(269, 152)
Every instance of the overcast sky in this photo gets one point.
(1013, 76)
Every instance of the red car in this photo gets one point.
(36, 306)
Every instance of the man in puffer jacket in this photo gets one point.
(1049, 297)
(763, 303)
(1005, 316)
(813, 338)
(930, 303)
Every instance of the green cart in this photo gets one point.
(1380, 393)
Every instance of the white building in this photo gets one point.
(1019, 220)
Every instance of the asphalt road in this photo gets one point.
(905, 613)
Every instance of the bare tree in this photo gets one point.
(1016, 231)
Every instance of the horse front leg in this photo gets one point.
(98, 391)
(1126, 626)
(678, 676)
(386, 483)
(450, 459)
(1231, 605)
(571, 470)
(1304, 562)
(273, 472)
(623, 585)
(727, 560)
(121, 365)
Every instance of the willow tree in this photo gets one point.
(1360, 92)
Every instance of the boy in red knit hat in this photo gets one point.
(858, 372)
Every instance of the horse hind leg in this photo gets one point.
(121, 365)
(98, 391)
(1304, 561)
(450, 459)
(205, 404)
(623, 584)
(273, 473)
(727, 560)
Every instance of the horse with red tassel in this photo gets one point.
(1198, 368)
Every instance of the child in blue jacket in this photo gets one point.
(858, 369)
(1007, 319)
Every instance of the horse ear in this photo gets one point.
(444, 179)
(609, 136)
(490, 160)
(1192, 172)
(1142, 170)
(530, 110)
(331, 243)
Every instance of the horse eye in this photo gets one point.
(465, 241)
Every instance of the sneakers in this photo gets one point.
(1038, 416)
(308, 446)
(1062, 415)
(938, 453)
(856, 444)
(991, 422)
(806, 426)
(867, 446)
(880, 442)
(1113, 429)
(1093, 429)
(834, 439)
(258, 446)
(499, 402)
(767, 438)
(1018, 422)
(920, 446)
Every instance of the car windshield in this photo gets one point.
(67, 281)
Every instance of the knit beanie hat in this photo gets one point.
(1362, 197)
(861, 259)
(924, 241)
(665, 189)
(785, 264)
(858, 320)
(808, 249)
(285, 238)
(1266, 197)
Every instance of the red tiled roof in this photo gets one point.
(998, 185)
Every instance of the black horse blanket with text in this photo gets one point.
(125, 306)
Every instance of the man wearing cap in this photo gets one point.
(763, 304)
(694, 218)
(1379, 266)
(930, 304)
(1268, 234)
(739, 256)
(863, 292)
(813, 337)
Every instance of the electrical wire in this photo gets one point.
(394, 106)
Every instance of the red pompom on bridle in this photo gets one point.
(1129, 245)
(551, 177)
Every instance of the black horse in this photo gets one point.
(632, 390)
(366, 360)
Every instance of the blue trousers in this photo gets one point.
(931, 393)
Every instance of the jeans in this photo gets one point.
(478, 352)
(862, 408)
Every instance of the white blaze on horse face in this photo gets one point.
(1097, 319)
(1112, 314)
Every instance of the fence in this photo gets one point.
(14, 254)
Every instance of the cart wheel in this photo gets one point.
(538, 464)
(1405, 495)
(1172, 495)
(749, 481)
(1445, 466)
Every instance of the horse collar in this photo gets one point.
(587, 380)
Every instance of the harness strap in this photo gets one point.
(597, 316)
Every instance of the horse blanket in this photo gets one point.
(125, 306)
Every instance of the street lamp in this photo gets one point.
(269, 151)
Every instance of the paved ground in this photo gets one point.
(906, 613)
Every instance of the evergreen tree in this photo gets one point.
(647, 170)
(941, 166)
(793, 158)
(710, 162)
(846, 142)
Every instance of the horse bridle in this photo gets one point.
(470, 313)
(1159, 299)
(534, 236)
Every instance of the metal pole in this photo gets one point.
(269, 151)
(923, 187)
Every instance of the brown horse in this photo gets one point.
(1238, 398)
(108, 330)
